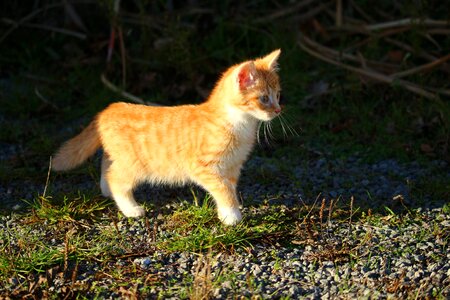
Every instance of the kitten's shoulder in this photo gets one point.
(122, 105)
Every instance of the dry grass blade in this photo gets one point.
(306, 44)
(48, 177)
(339, 13)
(202, 287)
(123, 93)
(311, 12)
(284, 12)
(122, 56)
(361, 11)
(350, 57)
(419, 52)
(406, 22)
(421, 68)
(27, 18)
(439, 31)
(76, 34)
(74, 16)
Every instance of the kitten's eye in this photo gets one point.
(264, 99)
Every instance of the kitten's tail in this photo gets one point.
(76, 150)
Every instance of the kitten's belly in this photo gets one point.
(172, 175)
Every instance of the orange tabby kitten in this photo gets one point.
(206, 144)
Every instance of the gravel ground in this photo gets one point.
(344, 260)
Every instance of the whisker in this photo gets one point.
(290, 128)
(270, 131)
(257, 133)
(282, 127)
(265, 134)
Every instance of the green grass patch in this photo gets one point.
(196, 228)
(69, 209)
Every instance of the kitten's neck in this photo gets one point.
(238, 118)
(223, 100)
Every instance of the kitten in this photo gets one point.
(206, 144)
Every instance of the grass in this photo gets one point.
(77, 232)
(197, 229)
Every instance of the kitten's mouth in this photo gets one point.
(267, 117)
(274, 114)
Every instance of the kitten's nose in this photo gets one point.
(277, 110)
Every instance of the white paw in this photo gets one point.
(229, 215)
(134, 212)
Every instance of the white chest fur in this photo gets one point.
(243, 127)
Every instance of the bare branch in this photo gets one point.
(368, 73)
(422, 67)
(76, 34)
(406, 22)
(283, 12)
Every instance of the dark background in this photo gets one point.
(53, 55)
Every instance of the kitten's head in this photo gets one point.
(258, 84)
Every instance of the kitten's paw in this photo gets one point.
(134, 212)
(229, 215)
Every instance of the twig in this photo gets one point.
(372, 35)
(123, 57)
(66, 252)
(392, 41)
(354, 58)
(330, 211)
(422, 67)
(45, 100)
(421, 53)
(432, 40)
(76, 34)
(142, 20)
(328, 91)
(74, 274)
(369, 73)
(439, 91)
(123, 93)
(338, 13)
(361, 11)
(74, 16)
(408, 21)
(312, 12)
(48, 177)
(352, 199)
(322, 208)
(442, 31)
(26, 18)
(111, 42)
(362, 60)
(283, 12)
(39, 78)
(35, 13)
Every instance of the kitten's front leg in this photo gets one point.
(224, 193)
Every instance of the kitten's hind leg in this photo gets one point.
(121, 187)
(104, 185)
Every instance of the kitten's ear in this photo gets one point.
(272, 60)
(246, 77)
